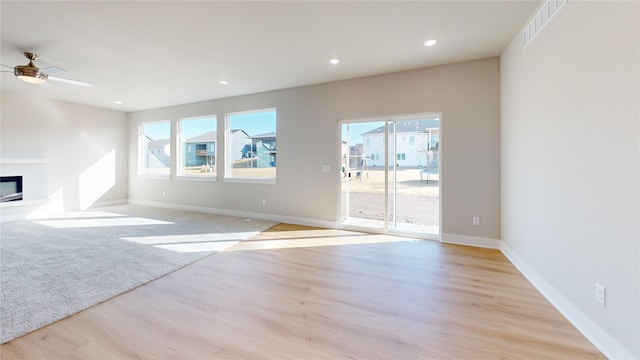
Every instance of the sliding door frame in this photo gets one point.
(386, 229)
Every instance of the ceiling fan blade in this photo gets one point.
(69, 81)
(52, 70)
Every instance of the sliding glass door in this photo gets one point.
(390, 178)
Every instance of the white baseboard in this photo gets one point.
(242, 214)
(610, 347)
(470, 241)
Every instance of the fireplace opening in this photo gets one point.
(10, 188)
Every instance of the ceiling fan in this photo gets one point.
(33, 75)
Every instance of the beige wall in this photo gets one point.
(467, 95)
(83, 151)
(570, 149)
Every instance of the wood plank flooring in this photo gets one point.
(296, 292)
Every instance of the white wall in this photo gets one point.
(570, 151)
(467, 95)
(84, 150)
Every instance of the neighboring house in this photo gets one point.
(263, 147)
(158, 153)
(417, 143)
(356, 160)
(201, 149)
(239, 145)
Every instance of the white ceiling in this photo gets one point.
(162, 53)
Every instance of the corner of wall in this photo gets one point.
(609, 346)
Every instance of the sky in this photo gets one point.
(253, 123)
(357, 129)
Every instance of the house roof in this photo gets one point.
(208, 137)
(409, 126)
(271, 134)
(158, 143)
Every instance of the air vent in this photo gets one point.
(542, 18)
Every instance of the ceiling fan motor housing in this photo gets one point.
(30, 73)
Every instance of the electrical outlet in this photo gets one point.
(264, 202)
(601, 294)
(164, 194)
(476, 221)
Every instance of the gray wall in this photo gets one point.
(570, 149)
(467, 95)
(84, 151)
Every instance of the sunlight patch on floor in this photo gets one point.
(198, 246)
(85, 214)
(191, 238)
(312, 238)
(99, 222)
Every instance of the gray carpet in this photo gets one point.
(53, 268)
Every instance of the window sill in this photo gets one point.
(210, 178)
(155, 176)
(250, 180)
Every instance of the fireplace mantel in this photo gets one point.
(23, 161)
(34, 173)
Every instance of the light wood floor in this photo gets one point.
(301, 293)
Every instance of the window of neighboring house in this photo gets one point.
(154, 148)
(197, 139)
(401, 156)
(412, 140)
(250, 146)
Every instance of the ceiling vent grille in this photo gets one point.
(542, 18)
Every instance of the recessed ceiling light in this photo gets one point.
(334, 61)
(223, 82)
(430, 42)
(119, 102)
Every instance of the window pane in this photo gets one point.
(251, 145)
(155, 148)
(197, 143)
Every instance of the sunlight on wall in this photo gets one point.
(96, 180)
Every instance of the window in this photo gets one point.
(251, 145)
(197, 139)
(400, 156)
(412, 140)
(154, 148)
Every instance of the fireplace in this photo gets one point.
(10, 188)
